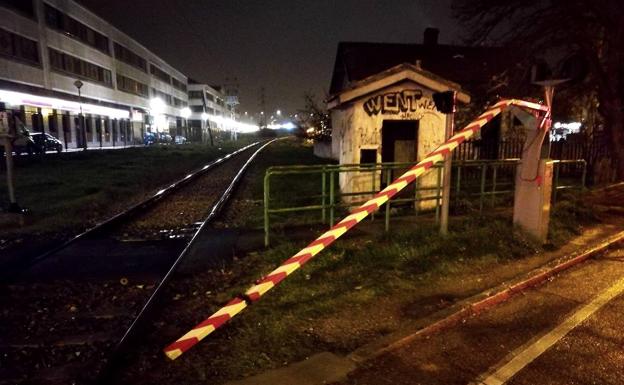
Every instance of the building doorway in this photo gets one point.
(399, 143)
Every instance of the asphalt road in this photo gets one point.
(568, 331)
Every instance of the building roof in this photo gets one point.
(395, 75)
(471, 67)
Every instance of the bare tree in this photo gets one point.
(593, 29)
(314, 115)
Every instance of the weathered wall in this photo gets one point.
(358, 126)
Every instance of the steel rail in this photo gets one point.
(125, 214)
(141, 317)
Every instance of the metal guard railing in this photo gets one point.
(330, 199)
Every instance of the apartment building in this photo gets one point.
(67, 72)
(208, 109)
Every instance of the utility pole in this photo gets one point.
(262, 108)
(231, 100)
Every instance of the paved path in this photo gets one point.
(569, 331)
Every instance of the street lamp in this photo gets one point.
(157, 110)
(83, 129)
(186, 114)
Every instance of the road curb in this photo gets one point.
(481, 302)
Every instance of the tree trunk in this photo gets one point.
(615, 126)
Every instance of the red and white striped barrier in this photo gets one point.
(265, 284)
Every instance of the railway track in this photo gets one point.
(71, 312)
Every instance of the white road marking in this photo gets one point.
(504, 370)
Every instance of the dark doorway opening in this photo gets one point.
(399, 144)
(399, 141)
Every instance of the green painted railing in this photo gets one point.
(487, 172)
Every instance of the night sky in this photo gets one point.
(286, 46)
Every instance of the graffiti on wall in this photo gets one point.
(406, 102)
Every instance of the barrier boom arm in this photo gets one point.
(265, 284)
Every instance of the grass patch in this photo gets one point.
(69, 191)
(359, 289)
(286, 190)
(570, 215)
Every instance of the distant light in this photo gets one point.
(261, 112)
(573, 126)
(310, 130)
(278, 112)
(204, 116)
(185, 112)
(286, 126)
(157, 106)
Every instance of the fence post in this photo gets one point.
(481, 195)
(458, 187)
(331, 198)
(267, 175)
(374, 175)
(438, 195)
(388, 180)
(323, 192)
(416, 201)
(557, 167)
(584, 176)
(494, 167)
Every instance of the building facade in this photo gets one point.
(389, 117)
(67, 72)
(209, 111)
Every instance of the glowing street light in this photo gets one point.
(157, 106)
(279, 112)
(204, 116)
(185, 112)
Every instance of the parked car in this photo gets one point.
(46, 142)
(23, 142)
(149, 138)
(179, 139)
(164, 138)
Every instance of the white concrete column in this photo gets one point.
(533, 180)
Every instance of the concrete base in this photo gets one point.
(532, 199)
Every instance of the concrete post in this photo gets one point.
(446, 181)
(533, 180)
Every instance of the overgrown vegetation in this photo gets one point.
(569, 216)
(365, 286)
(286, 191)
